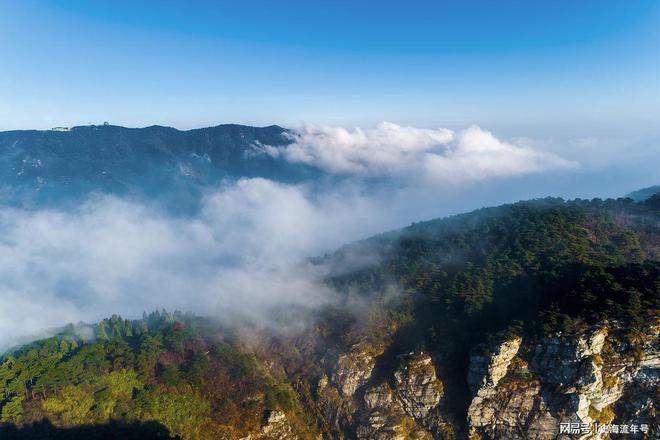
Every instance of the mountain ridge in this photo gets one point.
(63, 129)
(55, 166)
(506, 321)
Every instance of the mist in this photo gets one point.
(246, 249)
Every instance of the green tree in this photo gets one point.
(101, 332)
(71, 406)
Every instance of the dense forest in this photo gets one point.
(547, 265)
(164, 367)
(539, 268)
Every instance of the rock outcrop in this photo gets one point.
(417, 388)
(489, 366)
(518, 388)
(406, 406)
(402, 402)
(525, 390)
(275, 427)
(513, 410)
(354, 368)
(384, 417)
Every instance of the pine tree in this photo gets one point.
(101, 332)
(144, 328)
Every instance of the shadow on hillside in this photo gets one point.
(114, 430)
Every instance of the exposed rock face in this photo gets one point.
(335, 392)
(502, 412)
(385, 419)
(408, 406)
(563, 361)
(403, 403)
(641, 385)
(354, 368)
(417, 387)
(276, 427)
(520, 388)
(488, 367)
(525, 391)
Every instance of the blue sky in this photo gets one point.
(520, 67)
(570, 90)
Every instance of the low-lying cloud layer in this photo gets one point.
(435, 155)
(241, 255)
(244, 251)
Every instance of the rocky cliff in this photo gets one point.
(526, 389)
(368, 404)
(275, 427)
(519, 387)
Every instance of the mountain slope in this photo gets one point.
(500, 323)
(537, 270)
(152, 160)
(645, 193)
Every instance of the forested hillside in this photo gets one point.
(168, 368)
(52, 166)
(448, 317)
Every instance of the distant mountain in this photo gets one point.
(643, 194)
(63, 162)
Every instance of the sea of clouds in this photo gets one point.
(245, 250)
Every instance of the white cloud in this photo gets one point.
(476, 155)
(391, 150)
(381, 150)
(240, 256)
